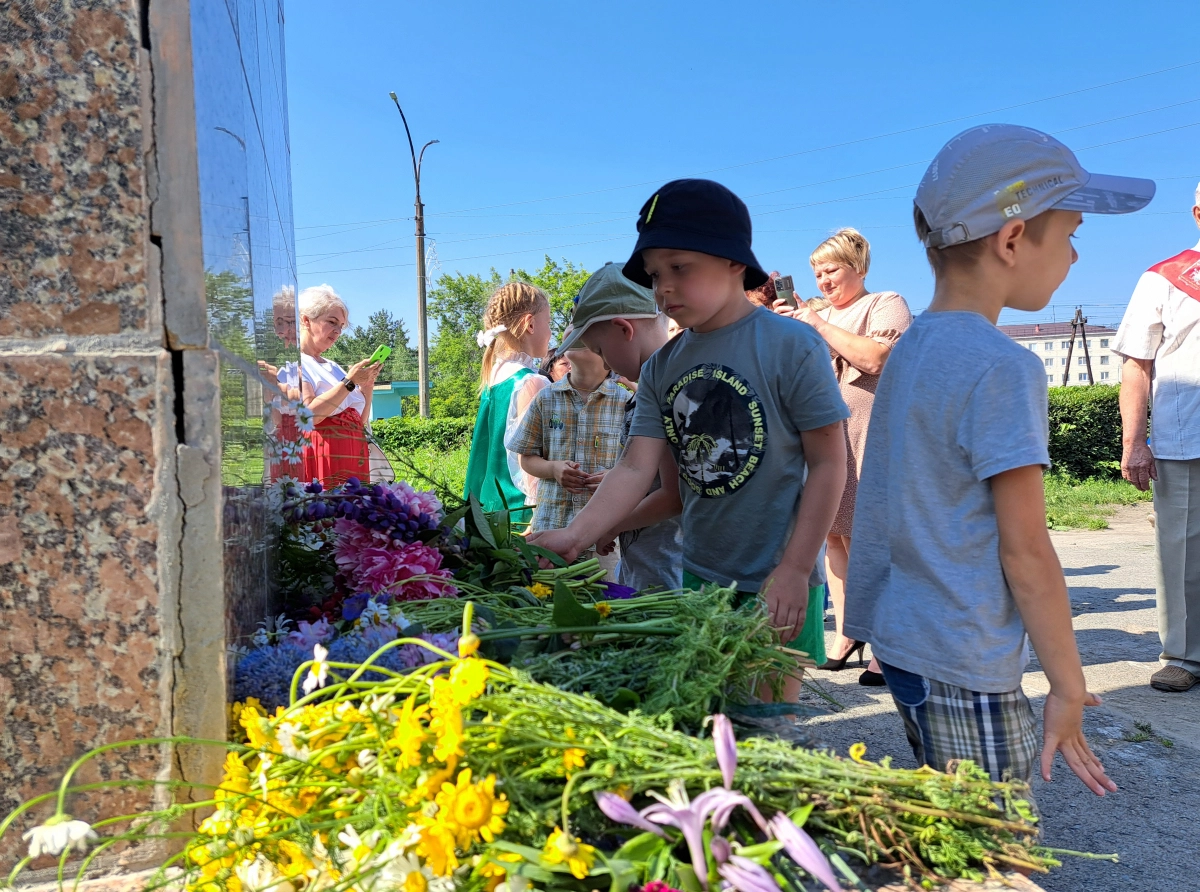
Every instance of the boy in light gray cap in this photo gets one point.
(619, 320)
(952, 566)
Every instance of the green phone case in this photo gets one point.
(382, 352)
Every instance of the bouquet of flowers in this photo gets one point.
(466, 774)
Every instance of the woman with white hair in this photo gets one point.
(340, 400)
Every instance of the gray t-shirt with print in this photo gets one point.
(958, 403)
(732, 404)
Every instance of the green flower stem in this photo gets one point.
(605, 629)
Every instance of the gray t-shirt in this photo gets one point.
(958, 402)
(732, 404)
(653, 555)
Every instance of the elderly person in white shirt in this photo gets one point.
(1160, 341)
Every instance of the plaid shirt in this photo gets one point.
(562, 424)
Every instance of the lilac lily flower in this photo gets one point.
(801, 848)
(677, 810)
(720, 803)
(726, 746)
(617, 809)
(615, 592)
(747, 876)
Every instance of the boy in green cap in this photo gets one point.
(619, 320)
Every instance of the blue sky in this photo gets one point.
(557, 120)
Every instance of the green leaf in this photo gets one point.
(480, 519)
(624, 874)
(625, 700)
(451, 520)
(641, 848)
(546, 553)
(800, 815)
(568, 611)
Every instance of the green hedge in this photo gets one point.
(1085, 431)
(402, 434)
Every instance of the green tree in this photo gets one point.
(382, 328)
(561, 284)
(456, 307)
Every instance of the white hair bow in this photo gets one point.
(485, 338)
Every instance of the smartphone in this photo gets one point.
(382, 352)
(784, 290)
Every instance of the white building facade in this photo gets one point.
(1050, 341)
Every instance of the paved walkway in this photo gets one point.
(1150, 820)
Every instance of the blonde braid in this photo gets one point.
(509, 306)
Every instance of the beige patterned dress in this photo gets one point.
(881, 316)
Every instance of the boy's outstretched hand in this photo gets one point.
(786, 593)
(560, 542)
(1063, 732)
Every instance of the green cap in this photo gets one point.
(607, 294)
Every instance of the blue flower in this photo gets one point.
(266, 673)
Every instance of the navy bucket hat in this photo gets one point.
(696, 215)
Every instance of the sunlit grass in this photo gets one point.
(1074, 504)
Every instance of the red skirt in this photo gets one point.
(286, 431)
(337, 450)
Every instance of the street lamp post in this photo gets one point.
(422, 328)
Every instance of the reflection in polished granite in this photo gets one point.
(250, 275)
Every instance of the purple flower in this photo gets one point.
(617, 809)
(801, 849)
(747, 876)
(353, 606)
(720, 848)
(614, 592)
(726, 746)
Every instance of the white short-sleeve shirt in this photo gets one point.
(1162, 323)
(324, 375)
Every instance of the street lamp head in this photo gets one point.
(393, 95)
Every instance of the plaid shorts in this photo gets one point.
(998, 732)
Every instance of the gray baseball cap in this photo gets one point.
(607, 294)
(994, 173)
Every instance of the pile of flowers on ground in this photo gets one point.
(465, 774)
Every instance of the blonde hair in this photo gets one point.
(317, 300)
(846, 247)
(509, 306)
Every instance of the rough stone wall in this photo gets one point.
(106, 418)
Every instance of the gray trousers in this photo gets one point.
(1177, 530)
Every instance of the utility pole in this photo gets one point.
(1078, 326)
(419, 208)
(1081, 321)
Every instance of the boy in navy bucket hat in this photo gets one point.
(744, 398)
(952, 570)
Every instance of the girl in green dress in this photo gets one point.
(516, 327)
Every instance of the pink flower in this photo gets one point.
(803, 850)
(374, 564)
(726, 746)
(422, 500)
(745, 875)
(309, 634)
(617, 809)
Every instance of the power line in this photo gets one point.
(807, 151)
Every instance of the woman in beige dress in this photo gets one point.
(861, 327)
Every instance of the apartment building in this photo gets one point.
(1050, 340)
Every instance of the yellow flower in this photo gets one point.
(258, 729)
(573, 758)
(237, 778)
(561, 848)
(604, 609)
(471, 811)
(294, 862)
(468, 679)
(409, 735)
(857, 751)
(495, 873)
(446, 721)
(468, 644)
(415, 882)
(436, 849)
(541, 590)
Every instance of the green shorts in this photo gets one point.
(811, 639)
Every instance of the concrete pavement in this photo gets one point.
(1149, 822)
